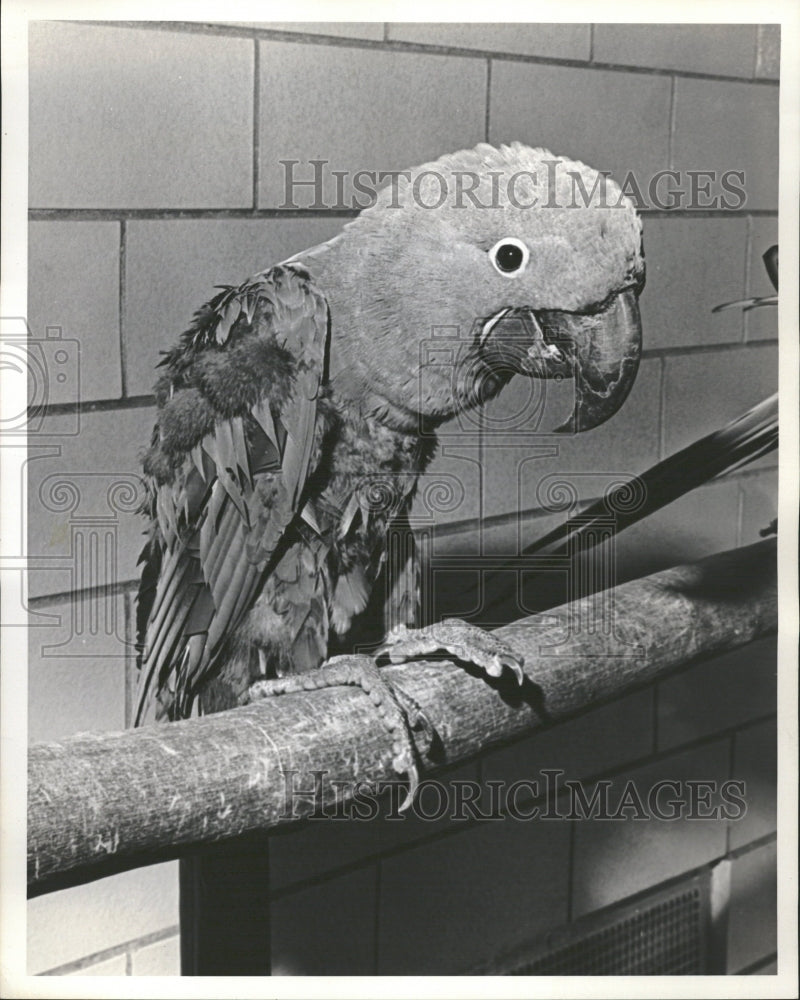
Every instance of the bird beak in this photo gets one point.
(599, 350)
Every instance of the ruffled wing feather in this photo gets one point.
(232, 455)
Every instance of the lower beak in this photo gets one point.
(599, 350)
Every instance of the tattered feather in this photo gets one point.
(298, 594)
(214, 521)
(350, 597)
(348, 516)
(402, 605)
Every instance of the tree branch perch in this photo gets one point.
(117, 799)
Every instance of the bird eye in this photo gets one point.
(509, 256)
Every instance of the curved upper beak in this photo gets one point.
(600, 350)
(605, 351)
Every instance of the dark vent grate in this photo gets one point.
(663, 941)
(665, 933)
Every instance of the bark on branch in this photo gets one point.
(102, 802)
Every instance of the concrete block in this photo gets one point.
(122, 117)
(412, 108)
(73, 287)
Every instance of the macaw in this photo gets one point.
(297, 412)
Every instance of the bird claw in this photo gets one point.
(461, 640)
(398, 710)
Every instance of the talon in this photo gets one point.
(402, 766)
(515, 666)
(394, 706)
(461, 640)
(408, 801)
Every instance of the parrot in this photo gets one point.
(298, 410)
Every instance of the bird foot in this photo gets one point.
(461, 640)
(400, 713)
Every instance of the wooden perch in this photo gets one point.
(98, 803)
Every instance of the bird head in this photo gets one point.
(486, 263)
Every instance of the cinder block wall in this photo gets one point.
(154, 175)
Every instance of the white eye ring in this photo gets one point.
(509, 256)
